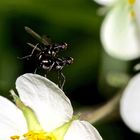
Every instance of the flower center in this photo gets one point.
(35, 135)
(131, 2)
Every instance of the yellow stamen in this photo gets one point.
(36, 135)
(132, 13)
(131, 8)
(132, 2)
(16, 137)
(39, 135)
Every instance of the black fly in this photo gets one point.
(47, 57)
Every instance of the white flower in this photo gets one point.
(105, 2)
(43, 112)
(120, 31)
(130, 104)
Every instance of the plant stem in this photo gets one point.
(93, 115)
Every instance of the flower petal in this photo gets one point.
(82, 130)
(49, 102)
(137, 11)
(130, 104)
(105, 2)
(12, 121)
(119, 34)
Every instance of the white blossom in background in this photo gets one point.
(42, 112)
(130, 104)
(120, 30)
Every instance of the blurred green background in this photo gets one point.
(89, 79)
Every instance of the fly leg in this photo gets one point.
(31, 54)
(61, 79)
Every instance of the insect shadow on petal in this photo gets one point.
(46, 55)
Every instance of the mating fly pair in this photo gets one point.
(47, 57)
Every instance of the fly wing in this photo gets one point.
(37, 36)
(46, 38)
